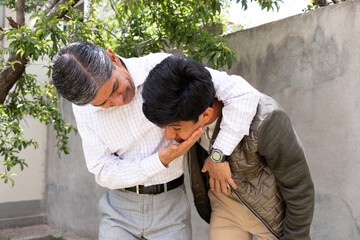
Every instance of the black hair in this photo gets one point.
(177, 89)
(79, 70)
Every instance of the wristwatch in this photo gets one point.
(218, 156)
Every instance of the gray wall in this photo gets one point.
(72, 194)
(310, 64)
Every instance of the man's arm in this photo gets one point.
(112, 171)
(284, 154)
(240, 101)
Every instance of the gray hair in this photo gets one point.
(79, 70)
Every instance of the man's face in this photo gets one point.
(116, 91)
(180, 131)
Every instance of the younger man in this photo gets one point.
(274, 198)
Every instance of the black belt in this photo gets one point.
(159, 188)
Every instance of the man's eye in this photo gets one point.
(176, 129)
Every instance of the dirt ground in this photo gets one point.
(35, 232)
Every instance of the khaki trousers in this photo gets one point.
(232, 220)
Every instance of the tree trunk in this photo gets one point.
(322, 3)
(8, 75)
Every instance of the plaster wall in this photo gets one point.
(30, 183)
(310, 64)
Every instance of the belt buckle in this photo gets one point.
(137, 187)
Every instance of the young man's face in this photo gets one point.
(118, 90)
(180, 131)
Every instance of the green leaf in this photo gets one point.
(217, 55)
(12, 182)
(13, 46)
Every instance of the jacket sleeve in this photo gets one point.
(285, 156)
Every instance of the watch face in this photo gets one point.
(216, 156)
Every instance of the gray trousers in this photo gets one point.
(126, 215)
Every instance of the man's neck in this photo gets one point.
(217, 107)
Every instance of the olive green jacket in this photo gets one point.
(271, 173)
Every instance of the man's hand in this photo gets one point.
(219, 173)
(173, 151)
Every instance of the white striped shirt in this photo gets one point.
(121, 146)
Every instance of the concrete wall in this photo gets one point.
(310, 64)
(24, 204)
(72, 194)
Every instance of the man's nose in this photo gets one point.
(169, 133)
(117, 100)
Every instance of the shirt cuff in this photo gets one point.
(227, 142)
(152, 165)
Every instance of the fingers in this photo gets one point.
(232, 183)
(185, 146)
(224, 187)
(195, 136)
(218, 187)
(212, 183)
(204, 169)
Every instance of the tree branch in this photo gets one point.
(12, 23)
(54, 12)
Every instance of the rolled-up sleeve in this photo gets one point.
(240, 101)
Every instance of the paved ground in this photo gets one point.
(199, 227)
(35, 232)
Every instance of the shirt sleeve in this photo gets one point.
(110, 170)
(240, 101)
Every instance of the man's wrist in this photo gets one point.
(162, 157)
(216, 155)
(226, 142)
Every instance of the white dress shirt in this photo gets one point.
(121, 146)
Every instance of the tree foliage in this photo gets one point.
(315, 4)
(130, 27)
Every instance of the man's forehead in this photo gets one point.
(105, 92)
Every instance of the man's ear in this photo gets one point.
(112, 56)
(206, 115)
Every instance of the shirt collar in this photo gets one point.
(137, 73)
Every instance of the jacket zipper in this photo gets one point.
(254, 213)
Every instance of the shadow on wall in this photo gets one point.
(300, 60)
(333, 219)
